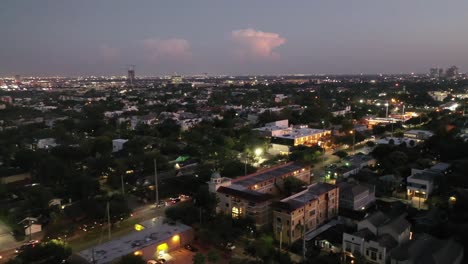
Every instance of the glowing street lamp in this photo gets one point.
(258, 152)
(354, 138)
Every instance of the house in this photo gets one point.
(376, 236)
(46, 143)
(304, 211)
(418, 135)
(31, 225)
(118, 144)
(420, 185)
(330, 240)
(356, 196)
(427, 249)
(251, 195)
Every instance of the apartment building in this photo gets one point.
(251, 195)
(310, 209)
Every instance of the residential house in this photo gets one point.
(118, 144)
(376, 236)
(356, 196)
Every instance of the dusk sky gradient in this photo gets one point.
(101, 37)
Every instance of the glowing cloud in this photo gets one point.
(250, 43)
(168, 49)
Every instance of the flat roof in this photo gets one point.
(155, 232)
(300, 199)
(268, 174)
(424, 175)
(302, 132)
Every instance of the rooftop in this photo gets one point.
(300, 199)
(268, 174)
(155, 232)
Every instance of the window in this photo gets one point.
(380, 256)
(278, 219)
(227, 205)
(312, 213)
(236, 212)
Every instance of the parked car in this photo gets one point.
(230, 246)
(26, 245)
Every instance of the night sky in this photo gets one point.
(101, 37)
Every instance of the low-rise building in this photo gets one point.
(46, 143)
(281, 134)
(420, 185)
(251, 195)
(376, 236)
(118, 144)
(152, 239)
(304, 212)
(418, 134)
(356, 196)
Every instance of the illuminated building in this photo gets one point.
(251, 195)
(312, 207)
(151, 239)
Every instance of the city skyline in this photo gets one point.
(242, 38)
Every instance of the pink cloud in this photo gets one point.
(109, 53)
(174, 49)
(251, 43)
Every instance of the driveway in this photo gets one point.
(7, 241)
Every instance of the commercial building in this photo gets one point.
(151, 239)
(310, 209)
(251, 195)
(282, 133)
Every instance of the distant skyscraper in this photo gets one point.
(18, 79)
(452, 72)
(131, 75)
(436, 72)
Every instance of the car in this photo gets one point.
(161, 261)
(26, 245)
(191, 248)
(230, 246)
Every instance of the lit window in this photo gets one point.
(236, 212)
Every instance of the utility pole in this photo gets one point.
(108, 221)
(122, 182)
(156, 184)
(386, 112)
(354, 138)
(303, 235)
(281, 236)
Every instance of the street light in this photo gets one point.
(354, 138)
(258, 152)
(386, 112)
